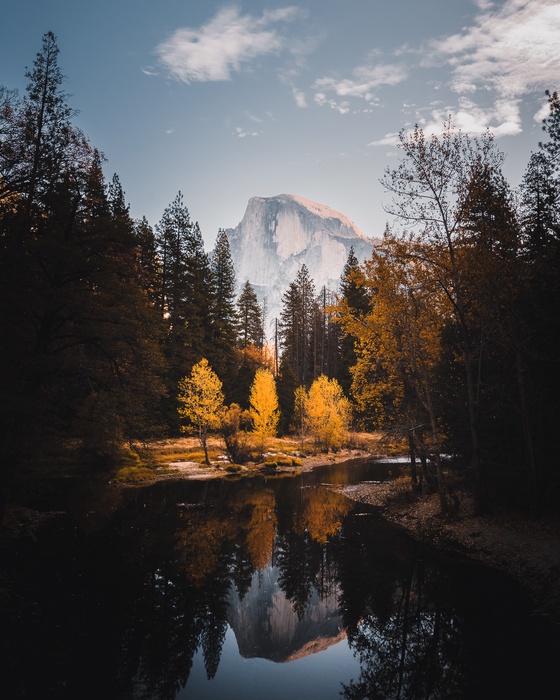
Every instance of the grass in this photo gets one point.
(134, 475)
(280, 452)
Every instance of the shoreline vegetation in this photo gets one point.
(524, 547)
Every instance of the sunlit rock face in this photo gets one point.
(279, 234)
(267, 626)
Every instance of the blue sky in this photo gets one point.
(225, 101)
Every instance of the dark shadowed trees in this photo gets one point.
(296, 326)
(186, 297)
(224, 318)
(76, 324)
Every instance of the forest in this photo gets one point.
(114, 330)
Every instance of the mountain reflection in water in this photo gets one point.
(266, 624)
(276, 587)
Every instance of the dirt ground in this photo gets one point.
(527, 549)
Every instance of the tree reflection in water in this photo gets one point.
(292, 567)
(408, 644)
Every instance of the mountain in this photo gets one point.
(267, 626)
(277, 235)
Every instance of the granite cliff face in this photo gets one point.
(279, 234)
(267, 626)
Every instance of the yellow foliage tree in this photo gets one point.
(328, 413)
(202, 400)
(264, 407)
(399, 348)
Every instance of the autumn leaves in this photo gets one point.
(322, 412)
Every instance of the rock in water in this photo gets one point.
(279, 234)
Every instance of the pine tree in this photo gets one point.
(250, 319)
(149, 267)
(40, 144)
(224, 318)
(296, 325)
(171, 237)
(551, 125)
(187, 292)
(287, 383)
(70, 301)
(354, 300)
(325, 337)
(539, 206)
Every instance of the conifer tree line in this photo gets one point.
(445, 338)
(101, 314)
(457, 350)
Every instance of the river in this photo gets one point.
(272, 587)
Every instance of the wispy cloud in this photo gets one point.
(299, 97)
(363, 83)
(502, 119)
(512, 51)
(323, 101)
(242, 133)
(509, 51)
(226, 44)
(253, 117)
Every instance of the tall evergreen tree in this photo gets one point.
(250, 321)
(186, 295)
(296, 325)
(224, 317)
(551, 125)
(286, 383)
(354, 300)
(325, 337)
(39, 143)
(539, 205)
(149, 266)
(70, 300)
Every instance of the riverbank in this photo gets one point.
(526, 548)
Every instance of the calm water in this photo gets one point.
(269, 587)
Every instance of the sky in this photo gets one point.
(226, 101)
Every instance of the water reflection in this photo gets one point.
(188, 582)
(267, 626)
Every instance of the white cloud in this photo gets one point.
(299, 97)
(364, 81)
(543, 112)
(225, 44)
(242, 133)
(253, 117)
(501, 119)
(513, 50)
(323, 101)
(390, 139)
(510, 51)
